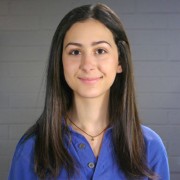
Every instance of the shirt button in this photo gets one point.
(81, 146)
(91, 165)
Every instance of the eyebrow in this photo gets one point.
(93, 43)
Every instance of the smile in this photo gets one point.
(89, 80)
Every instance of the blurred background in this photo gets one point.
(26, 30)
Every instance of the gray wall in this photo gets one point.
(26, 29)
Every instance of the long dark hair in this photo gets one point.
(129, 148)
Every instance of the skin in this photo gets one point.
(90, 61)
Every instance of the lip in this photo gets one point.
(89, 80)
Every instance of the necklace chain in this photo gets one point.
(92, 137)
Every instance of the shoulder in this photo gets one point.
(25, 148)
(152, 139)
(22, 165)
(156, 151)
(149, 134)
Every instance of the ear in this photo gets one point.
(119, 69)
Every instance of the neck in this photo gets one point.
(90, 114)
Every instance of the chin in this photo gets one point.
(93, 95)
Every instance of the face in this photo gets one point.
(90, 59)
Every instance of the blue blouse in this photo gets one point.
(91, 168)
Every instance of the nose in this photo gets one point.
(87, 63)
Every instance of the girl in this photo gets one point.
(89, 128)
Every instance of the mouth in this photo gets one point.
(90, 80)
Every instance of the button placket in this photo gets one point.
(85, 156)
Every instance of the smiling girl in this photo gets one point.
(89, 128)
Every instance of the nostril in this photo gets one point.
(87, 67)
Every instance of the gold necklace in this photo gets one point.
(92, 137)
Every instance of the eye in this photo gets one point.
(100, 51)
(75, 52)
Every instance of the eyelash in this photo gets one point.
(101, 49)
(73, 52)
(97, 51)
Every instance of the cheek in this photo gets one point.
(66, 69)
(109, 73)
(110, 67)
(70, 69)
(66, 64)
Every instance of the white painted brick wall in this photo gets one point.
(26, 29)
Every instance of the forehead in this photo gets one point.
(88, 30)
